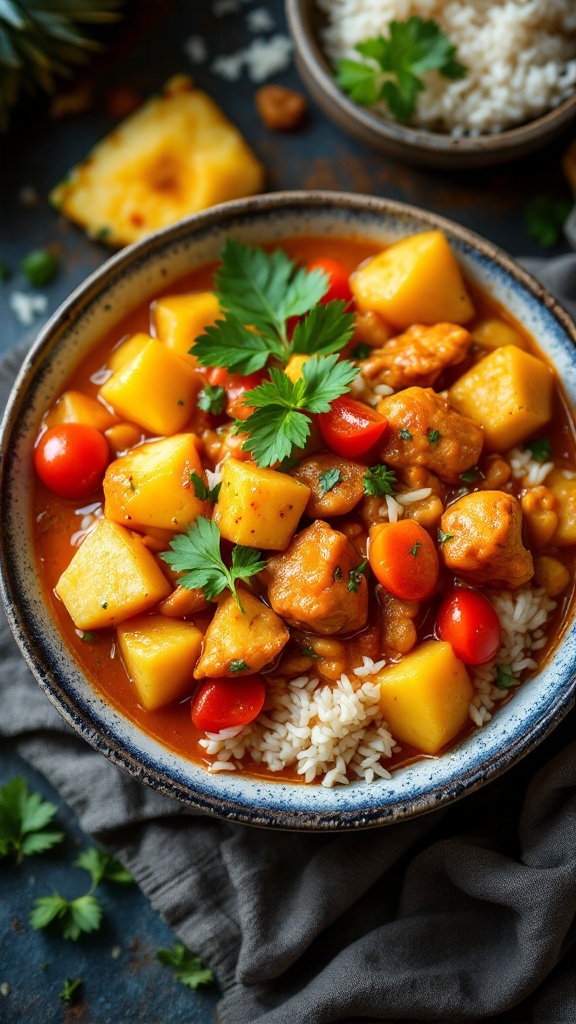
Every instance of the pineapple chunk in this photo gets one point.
(508, 393)
(154, 390)
(259, 508)
(180, 319)
(425, 697)
(76, 407)
(128, 350)
(150, 487)
(111, 577)
(159, 655)
(494, 333)
(240, 642)
(564, 490)
(415, 281)
(176, 155)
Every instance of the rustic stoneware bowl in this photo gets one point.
(136, 274)
(414, 145)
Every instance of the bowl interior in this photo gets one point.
(138, 273)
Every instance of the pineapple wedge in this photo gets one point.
(177, 154)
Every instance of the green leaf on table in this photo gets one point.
(70, 989)
(72, 917)
(40, 267)
(24, 818)
(102, 866)
(544, 218)
(186, 966)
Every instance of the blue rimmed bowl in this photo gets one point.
(137, 274)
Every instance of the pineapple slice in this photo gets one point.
(176, 155)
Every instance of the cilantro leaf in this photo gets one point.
(379, 480)
(73, 917)
(544, 218)
(212, 398)
(23, 820)
(230, 344)
(202, 492)
(361, 351)
(102, 866)
(470, 476)
(325, 379)
(197, 554)
(415, 549)
(443, 537)
(69, 990)
(326, 329)
(434, 436)
(329, 480)
(412, 48)
(540, 449)
(238, 665)
(405, 434)
(186, 966)
(355, 577)
(504, 677)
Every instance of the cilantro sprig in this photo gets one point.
(329, 480)
(394, 65)
(544, 218)
(259, 293)
(102, 866)
(379, 480)
(540, 449)
(281, 419)
(197, 554)
(202, 492)
(186, 966)
(24, 821)
(84, 914)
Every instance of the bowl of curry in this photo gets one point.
(289, 499)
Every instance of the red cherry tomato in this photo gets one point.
(235, 386)
(351, 428)
(404, 559)
(337, 276)
(223, 703)
(71, 459)
(468, 621)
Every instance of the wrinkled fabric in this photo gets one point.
(456, 915)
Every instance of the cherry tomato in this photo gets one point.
(71, 459)
(351, 428)
(404, 559)
(468, 621)
(223, 703)
(235, 385)
(337, 276)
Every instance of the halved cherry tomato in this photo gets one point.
(235, 386)
(404, 559)
(71, 459)
(223, 703)
(351, 428)
(468, 621)
(337, 276)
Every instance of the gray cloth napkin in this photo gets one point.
(453, 916)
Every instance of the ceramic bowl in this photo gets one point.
(414, 145)
(136, 274)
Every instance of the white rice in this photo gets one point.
(520, 56)
(527, 469)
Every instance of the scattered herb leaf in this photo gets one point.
(356, 576)
(238, 665)
(329, 479)
(24, 817)
(72, 917)
(326, 329)
(470, 476)
(102, 866)
(87, 637)
(544, 218)
(434, 436)
(361, 351)
(202, 492)
(308, 651)
(443, 537)
(69, 991)
(504, 677)
(212, 398)
(40, 267)
(414, 550)
(405, 434)
(186, 966)
(540, 449)
(104, 605)
(379, 480)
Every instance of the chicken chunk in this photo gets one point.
(336, 485)
(425, 431)
(484, 540)
(418, 356)
(317, 584)
(398, 629)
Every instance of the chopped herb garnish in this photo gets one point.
(308, 651)
(504, 677)
(356, 576)
(24, 818)
(103, 232)
(379, 480)
(434, 436)
(186, 966)
(212, 399)
(197, 554)
(540, 449)
(329, 479)
(361, 351)
(202, 492)
(544, 218)
(337, 573)
(104, 605)
(414, 550)
(102, 866)
(40, 267)
(69, 990)
(470, 476)
(405, 434)
(396, 65)
(443, 537)
(72, 917)
(238, 666)
(87, 637)
(132, 484)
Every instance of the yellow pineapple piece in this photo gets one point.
(259, 508)
(154, 390)
(76, 407)
(160, 655)
(177, 154)
(238, 642)
(111, 577)
(150, 489)
(128, 350)
(180, 319)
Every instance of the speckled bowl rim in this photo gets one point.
(525, 136)
(235, 797)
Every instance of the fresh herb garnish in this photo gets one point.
(202, 492)
(212, 398)
(379, 480)
(259, 292)
(540, 449)
(443, 537)
(40, 267)
(197, 554)
(471, 475)
(356, 576)
(72, 917)
(505, 678)
(186, 966)
(434, 436)
(87, 637)
(24, 818)
(361, 351)
(238, 665)
(544, 218)
(69, 990)
(396, 64)
(104, 605)
(281, 419)
(308, 651)
(102, 866)
(414, 550)
(329, 479)
(405, 434)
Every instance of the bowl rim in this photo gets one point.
(308, 49)
(39, 662)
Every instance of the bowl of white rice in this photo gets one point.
(518, 91)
